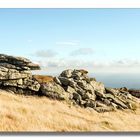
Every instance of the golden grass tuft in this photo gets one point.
(43, 78)
(27, 113)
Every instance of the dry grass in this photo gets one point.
(20, 113)
(43, 78)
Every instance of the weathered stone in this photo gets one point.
(66, 73)
(88, 95)
(124, 89)
(82, 71)
(111, 91)
(114, 105)
(129, 96)
(87, 80)
(99, 94)
(90, 88)
(70, 90)
(64, 81)
(3, 73)
(67, 82)
(90, 103)
(33, 85)
(80, 91)
(82, 103)
(57, 80)
(30, 84)
(116, 101)
(82, 84)
(15, 74)
(103, 109)
(106, 101)
(54, 90)
(33, 66)
(100, 104)
(87, 92)
(10, 83)
(76, 75)
(85, 86)
(80, 75)
(93, 79)
(69, 96)
(10, 66)
(72, 85)
(76, 96)
(98, 86)
(18, 90)
(18, 61)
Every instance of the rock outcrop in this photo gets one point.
(15, 74)
(77, 87)
(71, 85)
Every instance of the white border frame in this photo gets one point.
(69, 3)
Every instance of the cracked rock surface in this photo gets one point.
(77, 87)
(71, 85)
(15, 74)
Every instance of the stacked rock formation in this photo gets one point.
(72, 85)
(77, 87)
(15, 75)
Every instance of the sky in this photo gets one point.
(99, 40)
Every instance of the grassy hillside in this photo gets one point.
(26, 113)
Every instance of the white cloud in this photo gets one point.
(125, 63)
(116, 66)
(82, 51)
(65, 63)
(46, 53)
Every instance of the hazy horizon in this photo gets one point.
(115, 80)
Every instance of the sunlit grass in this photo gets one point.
(27, 113)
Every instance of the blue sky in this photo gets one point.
(100, 40)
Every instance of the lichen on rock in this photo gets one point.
(74, 86)
(15, 74)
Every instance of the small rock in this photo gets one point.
(124, 89)
(76, 96)
(57, 80)
(114, 105)
(54, 91)
(82, 84)
(100, 104)
(98, 86)
(70, 90)
(116, 101)
(64, 81)
(103, 109)
(90, 103)
(66, 73)
(111, 91)
(87, 95)
(93, 79)
(99, 94)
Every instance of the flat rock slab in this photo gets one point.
(15, 74)
(18, 62)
